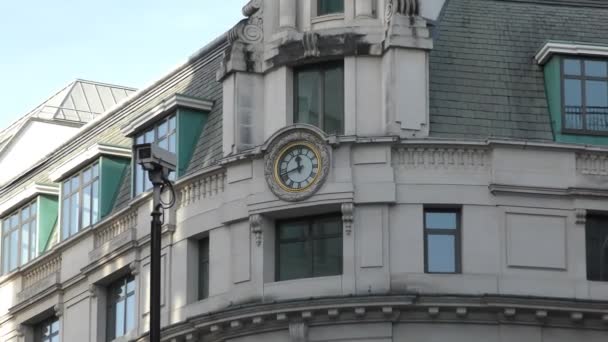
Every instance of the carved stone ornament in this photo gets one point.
(408, 8)
(299, 135)
(255, 221)
(348, 217)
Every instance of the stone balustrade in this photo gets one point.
(42, 271)
(441, 157)
(115, 228)
(206, 186)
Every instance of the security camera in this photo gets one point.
(153, 158)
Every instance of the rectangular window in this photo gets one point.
(442, 240)
(80, 201)
(596, 232)
(164, 134)
(309, 247)
(203, 270)
(585, 95)
(19, 238)
(121, 307)
(48, 331)
(330, 6)
(320, 97)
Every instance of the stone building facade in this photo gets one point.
(366, 170)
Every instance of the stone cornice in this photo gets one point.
(489, 309)
(546, 191)
(569, 48)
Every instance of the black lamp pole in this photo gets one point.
(155, 249)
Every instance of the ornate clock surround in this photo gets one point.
(276, 147)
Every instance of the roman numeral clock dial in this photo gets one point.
(297, 164)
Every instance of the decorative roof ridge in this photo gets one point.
(572, 3)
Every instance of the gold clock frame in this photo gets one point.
(282, 152)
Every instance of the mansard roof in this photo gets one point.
(484, 81)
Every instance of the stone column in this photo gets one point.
(287, 16)
(364, 8)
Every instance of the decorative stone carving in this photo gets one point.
(255, 221)
(134, 267)
(310, 41)
(245, 40)
(408, 8)
(348, 217)
(206, 186)
(591, 163)
(581, 216)
(58, 310)
(468, 158)
(93, 291)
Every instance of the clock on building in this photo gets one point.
(297, 164)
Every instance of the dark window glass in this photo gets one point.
(19, 238)
(48, 331)
(585, 97)
(442, 240)
(330, 6)
(310, 247)
(320, 97)
(121, 307)
(203, 271)
(596, 231)
(80, 201)
(164, 134)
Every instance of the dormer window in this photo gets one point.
(585, 95)
(325, 7)
(19, 238)
(80, 201)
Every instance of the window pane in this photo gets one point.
(25, 243)
(66, 188)
(596, 96)
(295, 261)
(330, 6)
(334, 101)
(172, 120)
(14, 220)
(327, 257)
(95, 170)
(596, 236)
(203, 271)
(74, 214)
(14, 250)
(572, 67)
(149, 136)
(25, 214)
(33, 209)
(308, 105)
(75, 183)
(65, 218)
(86, 206)
(162, 129)
(164, 144)
(130, 313)
(86, 175)
(5, 254)
(120, 319)
(441, 252)
(139, 179)
(440, 220)
(596, 68)
(95, 204)
(139, 139)
(330, 226)
(172, 145)
(293, 230)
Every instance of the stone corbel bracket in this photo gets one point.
(255, 221)
(348, 217)
(246, 42)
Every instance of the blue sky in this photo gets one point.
(44, 44)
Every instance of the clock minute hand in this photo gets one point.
(289, 171)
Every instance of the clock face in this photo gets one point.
(297, 167)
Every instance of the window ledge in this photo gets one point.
(164, 108)
(26, 195)
(568, 48)
(86, 157)
(328, 17)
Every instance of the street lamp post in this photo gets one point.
(159, 163)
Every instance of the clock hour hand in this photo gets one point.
(290, 171)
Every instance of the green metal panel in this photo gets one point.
(553, 88)
(112, 173)
(48, 213)
(190, 124)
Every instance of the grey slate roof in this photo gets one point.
(484, 81)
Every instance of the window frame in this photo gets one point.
(582, 78)
(140, 138)
(95, 177)
(310, 221)
(33, 238)
(321, 68)
(603, 277)
(50, 323)
(318, 10)
(457, 233)
(203, 260)
(111, 303)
